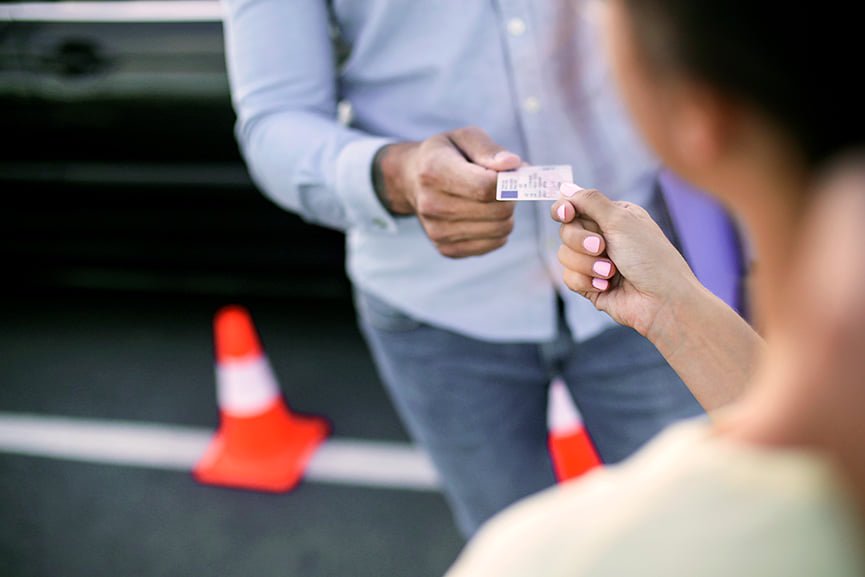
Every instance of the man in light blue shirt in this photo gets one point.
(460, 297)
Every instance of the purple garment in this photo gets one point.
(710, 241)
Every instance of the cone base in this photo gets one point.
(275, 467)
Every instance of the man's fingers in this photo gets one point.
(471, 247)
(480, 148)
(444, 233)
(433, 205)
(464, 163)
(444, 169)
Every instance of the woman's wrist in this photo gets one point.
(711, 347)
(683, 307)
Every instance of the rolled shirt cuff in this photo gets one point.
(355, 189)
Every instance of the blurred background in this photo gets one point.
(128, 221)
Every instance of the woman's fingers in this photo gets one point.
(590, 203)
(589, 225)
(577, 238)
(585, 273)
(577, 232)
(562, 211)
(585, 270)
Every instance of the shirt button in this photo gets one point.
(516, 26)
(379, 223)
(532, 104)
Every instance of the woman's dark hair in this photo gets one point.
(800, 63)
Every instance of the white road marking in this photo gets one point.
(132, 11)
(152, 445)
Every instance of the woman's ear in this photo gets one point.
(701, 127)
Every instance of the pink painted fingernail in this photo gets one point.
(569, 189)
(602, 268)
(561, 212)
(600, 283)
(592, 244)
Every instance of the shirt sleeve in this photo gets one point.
(283, 77)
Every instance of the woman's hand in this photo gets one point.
(616, 256)
(649, 287)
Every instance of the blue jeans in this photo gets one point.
(479, 408)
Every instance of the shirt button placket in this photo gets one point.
(516, 27)
(521, 45)
(531, 104)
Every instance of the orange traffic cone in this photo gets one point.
(260, 443)
(570, 446)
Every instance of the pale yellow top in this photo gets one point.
(689, 504)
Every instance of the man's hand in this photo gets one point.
(449, 182)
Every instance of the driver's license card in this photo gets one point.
(533, 182)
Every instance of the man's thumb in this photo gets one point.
(481, 149)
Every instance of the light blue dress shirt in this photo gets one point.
(529, 72)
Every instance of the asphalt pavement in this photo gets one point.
(148, 358)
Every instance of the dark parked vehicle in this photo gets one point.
(120, 169)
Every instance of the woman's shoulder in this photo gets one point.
(690, 503)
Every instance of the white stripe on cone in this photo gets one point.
(246, 387)
(563, 417)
